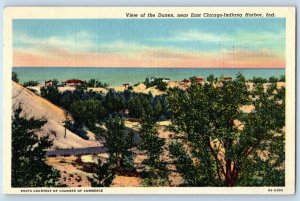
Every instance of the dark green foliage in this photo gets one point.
(227, 142)
(192, 79)
(273, 79)
(193, 174)
(155, 174)
(69, 97)
(158, 82)
(211, 78)
(139, 104)
(30, 83)
(87, 113)
(104, 175)
(282, 78)
(15, 77)
(119, 141)
(78, 130)
(96, 83)
(55, 82)
(28, 154)
(113, 102)
(259, 80)
(51, 93)
(151, 142)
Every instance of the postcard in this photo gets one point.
(149, 100)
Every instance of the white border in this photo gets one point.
(119, 12)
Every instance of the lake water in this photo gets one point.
(118, 76)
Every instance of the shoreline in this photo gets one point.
(118, 76)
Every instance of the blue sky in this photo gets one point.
(155, 40)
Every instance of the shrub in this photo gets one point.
(30, 83)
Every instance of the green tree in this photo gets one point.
(29, 168)
(158, 110)
(184, 164)
(55, 82)
(104, 176)
(273, 79)
(135, 107)
(96, 83)
(259, 80)
(87, 113)
(91, 83)
(282, 78)
(158, 82)
(30, 83)
(119, 141)
(51, 93)
(15, 77)
(211, 78)
(155, 174)
(150, 141)
(230, 146)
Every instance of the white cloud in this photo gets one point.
(241, 37)
(81, 42)
(199, 36)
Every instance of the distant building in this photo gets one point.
(185, 81)
(126, 85)
(48, 83)
(74, 82)
(165, 80)
(200, 80)
(150, 79)
(227, 79)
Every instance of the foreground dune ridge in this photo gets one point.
(38, 107)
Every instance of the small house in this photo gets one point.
(48, 83)
(74, 82)
(227, 78)
(150, 79)
(200, 80)
(186, 81)
(165, 80)
(126, 85)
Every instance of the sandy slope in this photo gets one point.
(37, 107)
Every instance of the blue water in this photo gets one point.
(118, 76)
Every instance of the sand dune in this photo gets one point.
(38, 107)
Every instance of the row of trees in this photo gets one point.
(55, 82)
(272, 79)
(95, 83)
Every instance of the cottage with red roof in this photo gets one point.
(227, 78)
(185, 81)
(200, 80)
(48, 83)
(74, 82)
